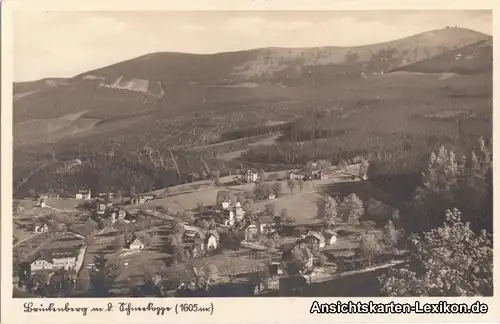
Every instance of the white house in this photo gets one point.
(330, 237)
(239, 213)
(101, 208)
(42, 263)
(316, 238)
(42, 203)
(41, 228)
(232, 219)
(251, 233)
(136, 244)
(83, 195)
(265, 224)
(55, 259)
(225, 205)
(272, 197)
(252, 176)
(211, 241)
(295, 176)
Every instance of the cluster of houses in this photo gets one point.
(304, 175)
(252, 176)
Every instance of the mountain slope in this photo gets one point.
(166, 87)
(286, 64)
(470, 59)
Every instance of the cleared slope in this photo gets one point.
(471, 59)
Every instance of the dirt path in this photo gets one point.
(26, 239)
(62, 211)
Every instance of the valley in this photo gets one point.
(244, 173)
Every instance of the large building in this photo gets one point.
(55, 259)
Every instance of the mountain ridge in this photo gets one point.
(170, 85)
(416, 38)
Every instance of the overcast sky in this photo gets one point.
(63, 44)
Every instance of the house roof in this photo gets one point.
(316, 235)
(136, 241)
(43, 258)
(193, 230)
(251, 227)
(214, 234)
(57, 253)
(329, 233)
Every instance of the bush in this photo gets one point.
(352, 209)
(370, 247)
(328, 210)
(450, 260)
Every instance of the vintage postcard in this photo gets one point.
(249, 161)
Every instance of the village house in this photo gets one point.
(251, 233)
(295, 175)
(103, 195)
(239, 212)
(113, 215)
(315, 239)
(83, 195)
(193, 232)
(266, 224)
(299, 251)
(148, 197)
(74, 163)
(211, 240)
(251, 176)
(276, 268)
(41, 228)
(42, 203)
(225, 204)
(271, 197)
(101, 208)
(44, 196)
(320, 176)
(330, 237)
(141, 199)
(121, 213)
(195, 239)
(61, 258)
(134, 244)
(117, 214)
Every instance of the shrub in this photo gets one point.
(328, 210)
(352, 209)
(370, 247)
(450, 260)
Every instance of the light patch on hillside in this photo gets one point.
(152, 88)
(239, 85)
(121, 83)
(93, 77)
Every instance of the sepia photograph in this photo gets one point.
(251, 153)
